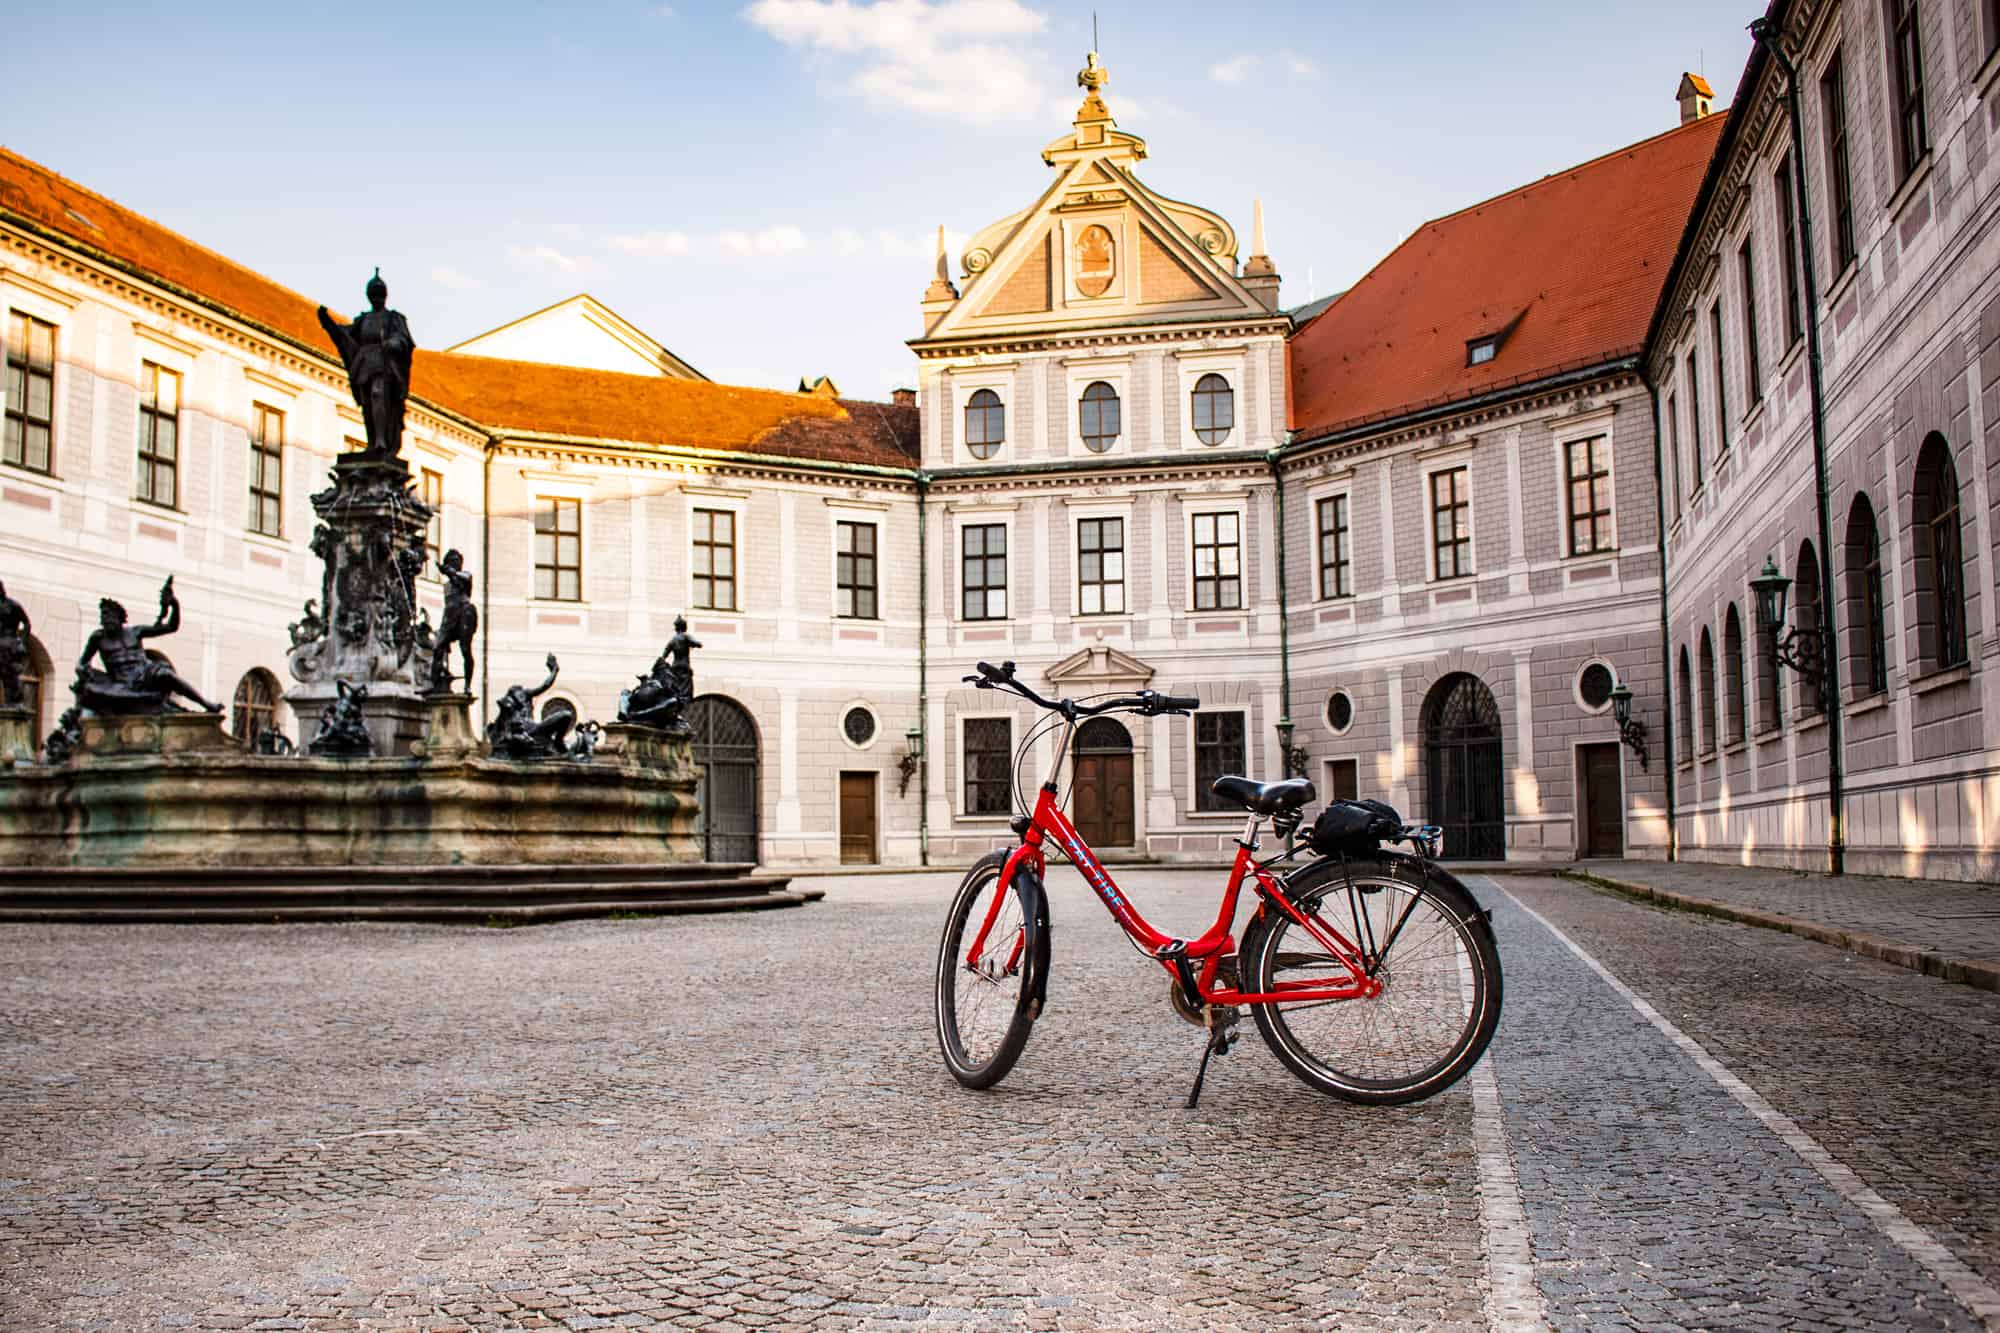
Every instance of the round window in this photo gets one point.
(1339, 711)
(859, 725)
(1593, 686)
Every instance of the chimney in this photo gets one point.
(903, 397)
(1697, 99)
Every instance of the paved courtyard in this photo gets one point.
(742, 1121)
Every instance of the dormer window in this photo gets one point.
(1481, 350)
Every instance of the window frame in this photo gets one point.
(150, 463)
(986, 523)
(433, 496)
(1084, 404)
(1721, 381)
(1228, 394)
(1746, 276)
(1837, 142)
(1463, 566)
(853, 587)
(240, 711)
(700, 509)
(1124, 553)
(20, 356)
(262, 453)
(1235, 513)
(965, 767)
(1866, 600)
(1946, 634)
(1684, 734)
(1602, 517)
(1735, 700)
(1788, 243)
(965, 394)
(553, 505)
(1692, 366)
(1909, 118)
(1673, 416)
(1206, 802)
(1708, 702)
(1338, 505)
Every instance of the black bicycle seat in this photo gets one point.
(1265, 798)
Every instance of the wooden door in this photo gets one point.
(1603, 800)
(1102, 806)
(1343, 780)
(857, 819)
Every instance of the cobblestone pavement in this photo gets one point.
(742, 1121)
(1957, 920)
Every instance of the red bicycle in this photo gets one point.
(1372, 974)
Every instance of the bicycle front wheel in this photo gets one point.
(1428, 944)
(992, 963)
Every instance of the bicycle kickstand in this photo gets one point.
(1220, 1037)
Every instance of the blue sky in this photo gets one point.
(759, 184)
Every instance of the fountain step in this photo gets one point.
(465, 914)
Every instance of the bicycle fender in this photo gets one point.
(1033, 889)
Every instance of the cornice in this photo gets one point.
(1060, 340)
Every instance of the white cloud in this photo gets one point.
(1233, 70)
(550, 257)
(783, 239)
(655, 244)
(949, 59)
(1299, 65)
(447, 276)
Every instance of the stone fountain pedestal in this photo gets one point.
(17, 737)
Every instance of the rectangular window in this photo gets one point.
(1906, 73)
(1335, 560)
(1753, 374)
(983, 571)
(31, 393)
(159, 435)
(1674, 451)
(1840, 182)
(1100, 566)
(1218, 562)
(1451, 523)
(715, 560)
(559, 549)
(433, 495)
(854, 571)
(1694, 422)
(1721, 383)
(1990, 12)
(1343, 779)
(1788, 259)
(1218, 751)
(267, 470)
(1587, 463)
(989, 761)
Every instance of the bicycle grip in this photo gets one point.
(1179, 703)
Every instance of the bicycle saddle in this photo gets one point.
(1265, 798)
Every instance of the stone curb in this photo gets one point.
(1970, 971)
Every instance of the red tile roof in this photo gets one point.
(502, 395)
(1578, 258)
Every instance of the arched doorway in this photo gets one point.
(1102, 809)
(725, 744)
(36, 673)
(1462, 758)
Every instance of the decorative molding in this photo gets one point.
(15, 278)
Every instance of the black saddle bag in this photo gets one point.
(1353, 828)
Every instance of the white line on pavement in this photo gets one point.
(1970, 1290)
(1513, 1301)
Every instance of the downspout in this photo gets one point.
(1766, 35)
(1284, 623)
(1667, 749)
(923, 678)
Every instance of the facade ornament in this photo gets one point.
(132, 681)
(14, 631)
(941, 288)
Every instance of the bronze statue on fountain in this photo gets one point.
(661, 697)
(132, 681)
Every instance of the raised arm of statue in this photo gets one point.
(343, 341)
(170, 613)
(544, 686)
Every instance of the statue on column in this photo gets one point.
(14, 631)
(461, 622)
(132, 681)
(376, 350)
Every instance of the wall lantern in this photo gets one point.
(913, 754)
(1295, 757)
(1631, 732)
(1798, 649)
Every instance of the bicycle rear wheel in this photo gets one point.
(1433, 952)
(986, 1007)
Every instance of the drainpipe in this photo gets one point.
(1766, 35)
(1284, 625)
(1667, 748)
(923, 678)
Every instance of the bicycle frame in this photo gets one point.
(1049, 823)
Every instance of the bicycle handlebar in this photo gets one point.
(1145, 702)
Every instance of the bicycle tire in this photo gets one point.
(1009, 1000)
(1441, 981)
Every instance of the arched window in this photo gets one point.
(1808, 615)
(1770, 704)
(985, 423)
(35, 675)
(1707, 692)
(1684, 695)
(1214, 409)
(1098, 417)
(1734, 719)
(255, 709)
(1940, 559)
(555, 704)
(1867, 634)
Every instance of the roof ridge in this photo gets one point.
(1589, 162)
(148, 220)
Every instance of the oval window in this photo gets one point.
(1593, 686)
(985, 423)
(858, 725)
(1214, 409)
(1099, 417)
(1339, 711)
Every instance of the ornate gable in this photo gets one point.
(1099, 248)
(1097, 668)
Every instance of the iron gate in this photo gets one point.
(725, 744)
(1462, 755)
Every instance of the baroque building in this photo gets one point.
(1885, 271)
